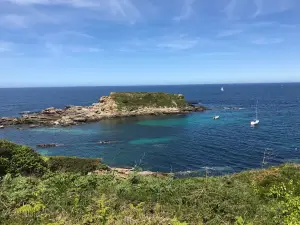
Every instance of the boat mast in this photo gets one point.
(256, 110)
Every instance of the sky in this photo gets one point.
(148, 42)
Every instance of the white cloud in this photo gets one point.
(13, 20)
(272, 6)
(59, 49)
(107, 9)
(227, 33)
(6, 46)
(181, 43)
(67, 36)
(217, 53)
(26, 17)
(267, 41)
(80, 49)
(187, 10)
(238, 9)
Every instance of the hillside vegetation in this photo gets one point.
(135, 100)
(59, 194)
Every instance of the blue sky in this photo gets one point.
(132, 42)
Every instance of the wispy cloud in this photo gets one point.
(13, 20)
(70, 41)
(267, 41)
(178, 43)
(67, 36)
(6, 46)
(238, 9)
(217, 53)
(186, 11)
(107, 9)
(57, 49)
(273, 6)
(227, 33)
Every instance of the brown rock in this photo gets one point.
(80, 119)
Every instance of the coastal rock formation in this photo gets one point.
(126, 172)
(48, 145)
(115, 105)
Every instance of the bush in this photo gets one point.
(73, 164)
(19, 159)
(131, 101)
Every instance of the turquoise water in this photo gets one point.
(143, 141)
(193, 142)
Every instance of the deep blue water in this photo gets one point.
(172, 143)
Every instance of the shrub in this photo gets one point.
(131, 101)
(19, 159)
(73, 164)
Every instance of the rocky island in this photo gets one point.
(117, 104)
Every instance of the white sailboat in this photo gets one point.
(222, 89)
(216, 117)
(255, 122)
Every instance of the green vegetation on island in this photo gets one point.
(134, 100)
(38, 190)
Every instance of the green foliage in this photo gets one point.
(130, 101)
(240, 221)
(19, 159)
(73, 164)
(30, 209)
(288, 202)
(4, 165)
(262, 197)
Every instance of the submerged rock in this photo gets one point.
(106, 142)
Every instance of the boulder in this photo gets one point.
(68, 106)
(80, 119)
(103, 99)
(51, 111)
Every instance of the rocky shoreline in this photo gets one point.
(106, 108)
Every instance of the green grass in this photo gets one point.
(259, 197)
(133, 100)
(262, 197)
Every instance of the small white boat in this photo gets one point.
(1, 127)
(255, 122)
(222, 89)
(216, 117)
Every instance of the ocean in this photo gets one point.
(193, 142)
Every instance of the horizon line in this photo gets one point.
(151, 85)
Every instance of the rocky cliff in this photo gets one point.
(115, 105)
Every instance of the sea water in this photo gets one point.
(193, 142)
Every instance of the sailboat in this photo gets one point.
(256, 121)
(222, 89)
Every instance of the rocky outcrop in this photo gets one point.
(115, 105)
(126, 172)
(48, 145)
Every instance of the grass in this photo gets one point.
(130, 101)
(65, 195)
(254, 197)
